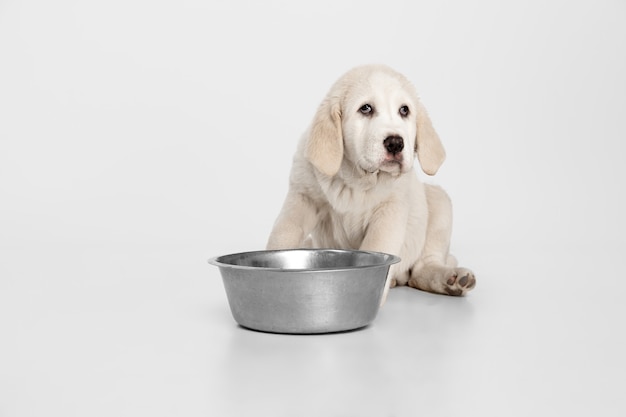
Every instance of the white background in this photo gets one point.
(139, 138)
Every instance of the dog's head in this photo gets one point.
(373, 118)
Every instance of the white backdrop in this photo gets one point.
(138, 138)
(175, 121)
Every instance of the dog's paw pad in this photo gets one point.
(460, 286)
(452, 279)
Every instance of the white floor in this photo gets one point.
(130, 331)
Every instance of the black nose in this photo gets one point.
(394, 144)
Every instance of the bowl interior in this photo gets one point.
(306, 259)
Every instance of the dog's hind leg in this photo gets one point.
(436, 270)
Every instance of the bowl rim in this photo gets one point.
(389, 260)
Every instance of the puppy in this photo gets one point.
(353, 185)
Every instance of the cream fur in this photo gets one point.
(348, 191)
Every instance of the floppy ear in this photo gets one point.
(324, 148)
(428, 146)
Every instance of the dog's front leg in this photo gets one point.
(385, 233)
(294, 223)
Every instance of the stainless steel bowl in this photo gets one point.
(304, 290)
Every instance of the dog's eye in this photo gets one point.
(366, 109)
(404, 111)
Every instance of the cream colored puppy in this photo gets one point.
(353, 185)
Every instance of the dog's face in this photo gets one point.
(379, 124)
(372, 118)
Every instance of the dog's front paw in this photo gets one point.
(459, 281)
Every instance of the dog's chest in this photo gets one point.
(355, 197)
(341, 230)
(350, 208)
